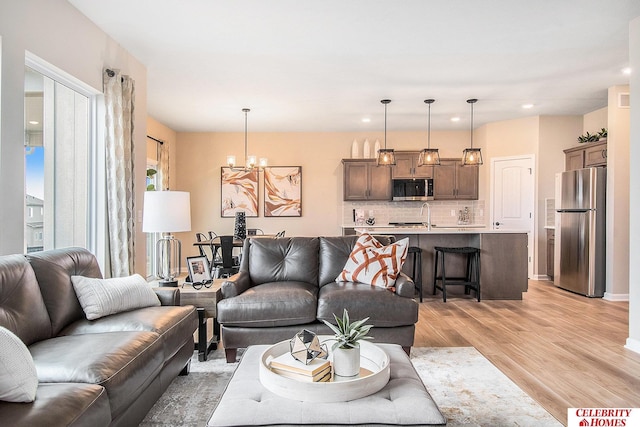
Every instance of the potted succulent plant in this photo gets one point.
(346, 348)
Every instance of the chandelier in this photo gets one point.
(250, 162)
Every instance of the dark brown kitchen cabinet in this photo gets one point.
(406, 166)
(364, 180)
(551, 234)
(452, 181)
(590, 154)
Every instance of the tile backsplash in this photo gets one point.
(441, 211)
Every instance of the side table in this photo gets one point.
(204, 299)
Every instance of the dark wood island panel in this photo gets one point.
(503, 260)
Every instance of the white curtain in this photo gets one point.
(119, 94)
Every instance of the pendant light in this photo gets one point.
(249, 161)
(429, 156)
(386, 156)
(471, 156)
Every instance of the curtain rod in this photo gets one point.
(156, 140)
(112, 73)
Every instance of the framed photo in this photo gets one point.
(239, 192)
(199, 270)
(283, 191)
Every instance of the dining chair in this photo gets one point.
(201, 237)
(226, 266)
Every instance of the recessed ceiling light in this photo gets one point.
(527, 106)
(626, 71)
(33, 122)
(366, 120)
(455, 119)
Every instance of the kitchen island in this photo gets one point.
(503, 256)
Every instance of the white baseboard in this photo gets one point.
(542, 277)
(633, 345)
(615, 297)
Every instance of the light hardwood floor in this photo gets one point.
(562, 349)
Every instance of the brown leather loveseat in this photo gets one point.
(287, 284)
(104, 372)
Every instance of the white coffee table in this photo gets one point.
(402, 401)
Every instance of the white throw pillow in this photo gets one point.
(372, 263)
(102, 297)
(18, 376)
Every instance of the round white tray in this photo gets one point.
(374, 375)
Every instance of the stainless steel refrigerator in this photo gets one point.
(580, 231)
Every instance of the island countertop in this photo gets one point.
(388, 229)
(503, 256)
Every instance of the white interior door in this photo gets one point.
(513, 197)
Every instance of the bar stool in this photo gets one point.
(471, 280)
(417, 268)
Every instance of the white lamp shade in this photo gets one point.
(166, 212)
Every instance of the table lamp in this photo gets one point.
(167, 212)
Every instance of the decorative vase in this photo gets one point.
(376, 148)
(366, 149)
(240, 230)
(355, 150)
(346, 362)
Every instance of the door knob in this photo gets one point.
(497, 224)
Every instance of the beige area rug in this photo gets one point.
(469, 390)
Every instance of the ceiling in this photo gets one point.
(324, 65)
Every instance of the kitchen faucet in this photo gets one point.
(428, 214)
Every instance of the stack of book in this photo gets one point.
(318, 370)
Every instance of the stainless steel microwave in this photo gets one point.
(413, 189)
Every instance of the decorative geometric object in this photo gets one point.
(305, 346)
(240, 229)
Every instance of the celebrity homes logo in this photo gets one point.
(603, 417)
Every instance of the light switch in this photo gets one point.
(453, 212)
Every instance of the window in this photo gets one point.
(58, 158)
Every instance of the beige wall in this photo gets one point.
(200, 156)
(595, 120)
(169, 137)
(46, 28)
(633, 342)
(617, 205)
(557, 133)
(505, 139)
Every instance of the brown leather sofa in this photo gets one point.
(105, 372)
(287, 284)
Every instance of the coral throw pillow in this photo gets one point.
(372, 263)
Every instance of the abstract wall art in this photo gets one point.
(283, 191)
(239, 192)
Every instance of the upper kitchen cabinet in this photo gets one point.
(590, 154)
(364, 180)
(452, 181)
(407, 166)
